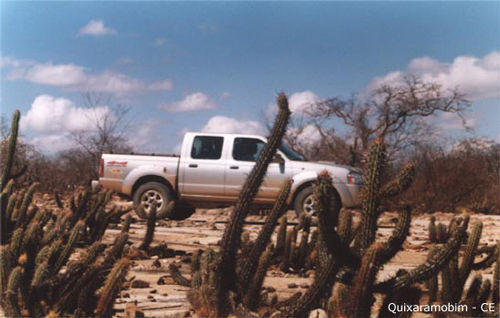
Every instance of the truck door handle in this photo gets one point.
(193, 165)
(234, 167)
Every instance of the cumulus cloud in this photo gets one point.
(79, 78)
(223, 124)
(96, 28)
(450, 121)
(53, 119)
(301, 102)
(192, 102)
(50, 114)
(52, 143)
(307, 135)
(479, 78)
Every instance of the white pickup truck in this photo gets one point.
(211, 170)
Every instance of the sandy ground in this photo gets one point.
(161, 297)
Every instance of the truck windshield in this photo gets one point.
(292, 155)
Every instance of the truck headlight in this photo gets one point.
(354, 178)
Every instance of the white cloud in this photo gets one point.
(159, 42)
(479, 78)
(223, 124)
(307, 135)
(192, 102)
(52, 120)
(96, 28)
(76, 77)
(7, 61)
(225, 95)
(57, 75)
(301, 102)
(164, 85)
(450, 121)
(144, 136)
(52, 143)
(50, 115)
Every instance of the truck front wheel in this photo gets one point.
(305, 202)
(151, 192)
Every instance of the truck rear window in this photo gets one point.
(207, 147)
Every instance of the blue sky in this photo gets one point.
(194, 66)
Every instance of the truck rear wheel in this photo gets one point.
(151, 192)
(157, 192)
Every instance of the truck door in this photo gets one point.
(202, 170)
(245, 152)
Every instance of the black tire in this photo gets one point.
(302, 196)
(154, 191)
(298, 203)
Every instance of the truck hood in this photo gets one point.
(339, 172)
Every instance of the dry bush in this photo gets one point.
(466, 176)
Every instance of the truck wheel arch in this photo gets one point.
(151, 178)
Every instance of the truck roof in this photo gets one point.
(225, 135)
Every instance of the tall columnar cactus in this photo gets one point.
(225, 271)
(361, 296)
(150, 231)
(14, 128)
(248, 267)
(111, 288)
(371, 193)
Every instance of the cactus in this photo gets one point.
(432, 230)
(68, 247)
(432, 265)
(280, 241)
(361, 291)
(7, 171)
(401, 183)
(371, 197)
(468, 259)
(225, 271)
(177, 276)
(251, 297)
(249, 266)
(6, 262)
(111, 288)
(150, 231)
(395, 241)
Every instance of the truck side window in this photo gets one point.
(207, 147)
(247, 149)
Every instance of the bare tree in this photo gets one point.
(395, 112)
(107, 133)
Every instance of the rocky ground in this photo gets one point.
(153, 293)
